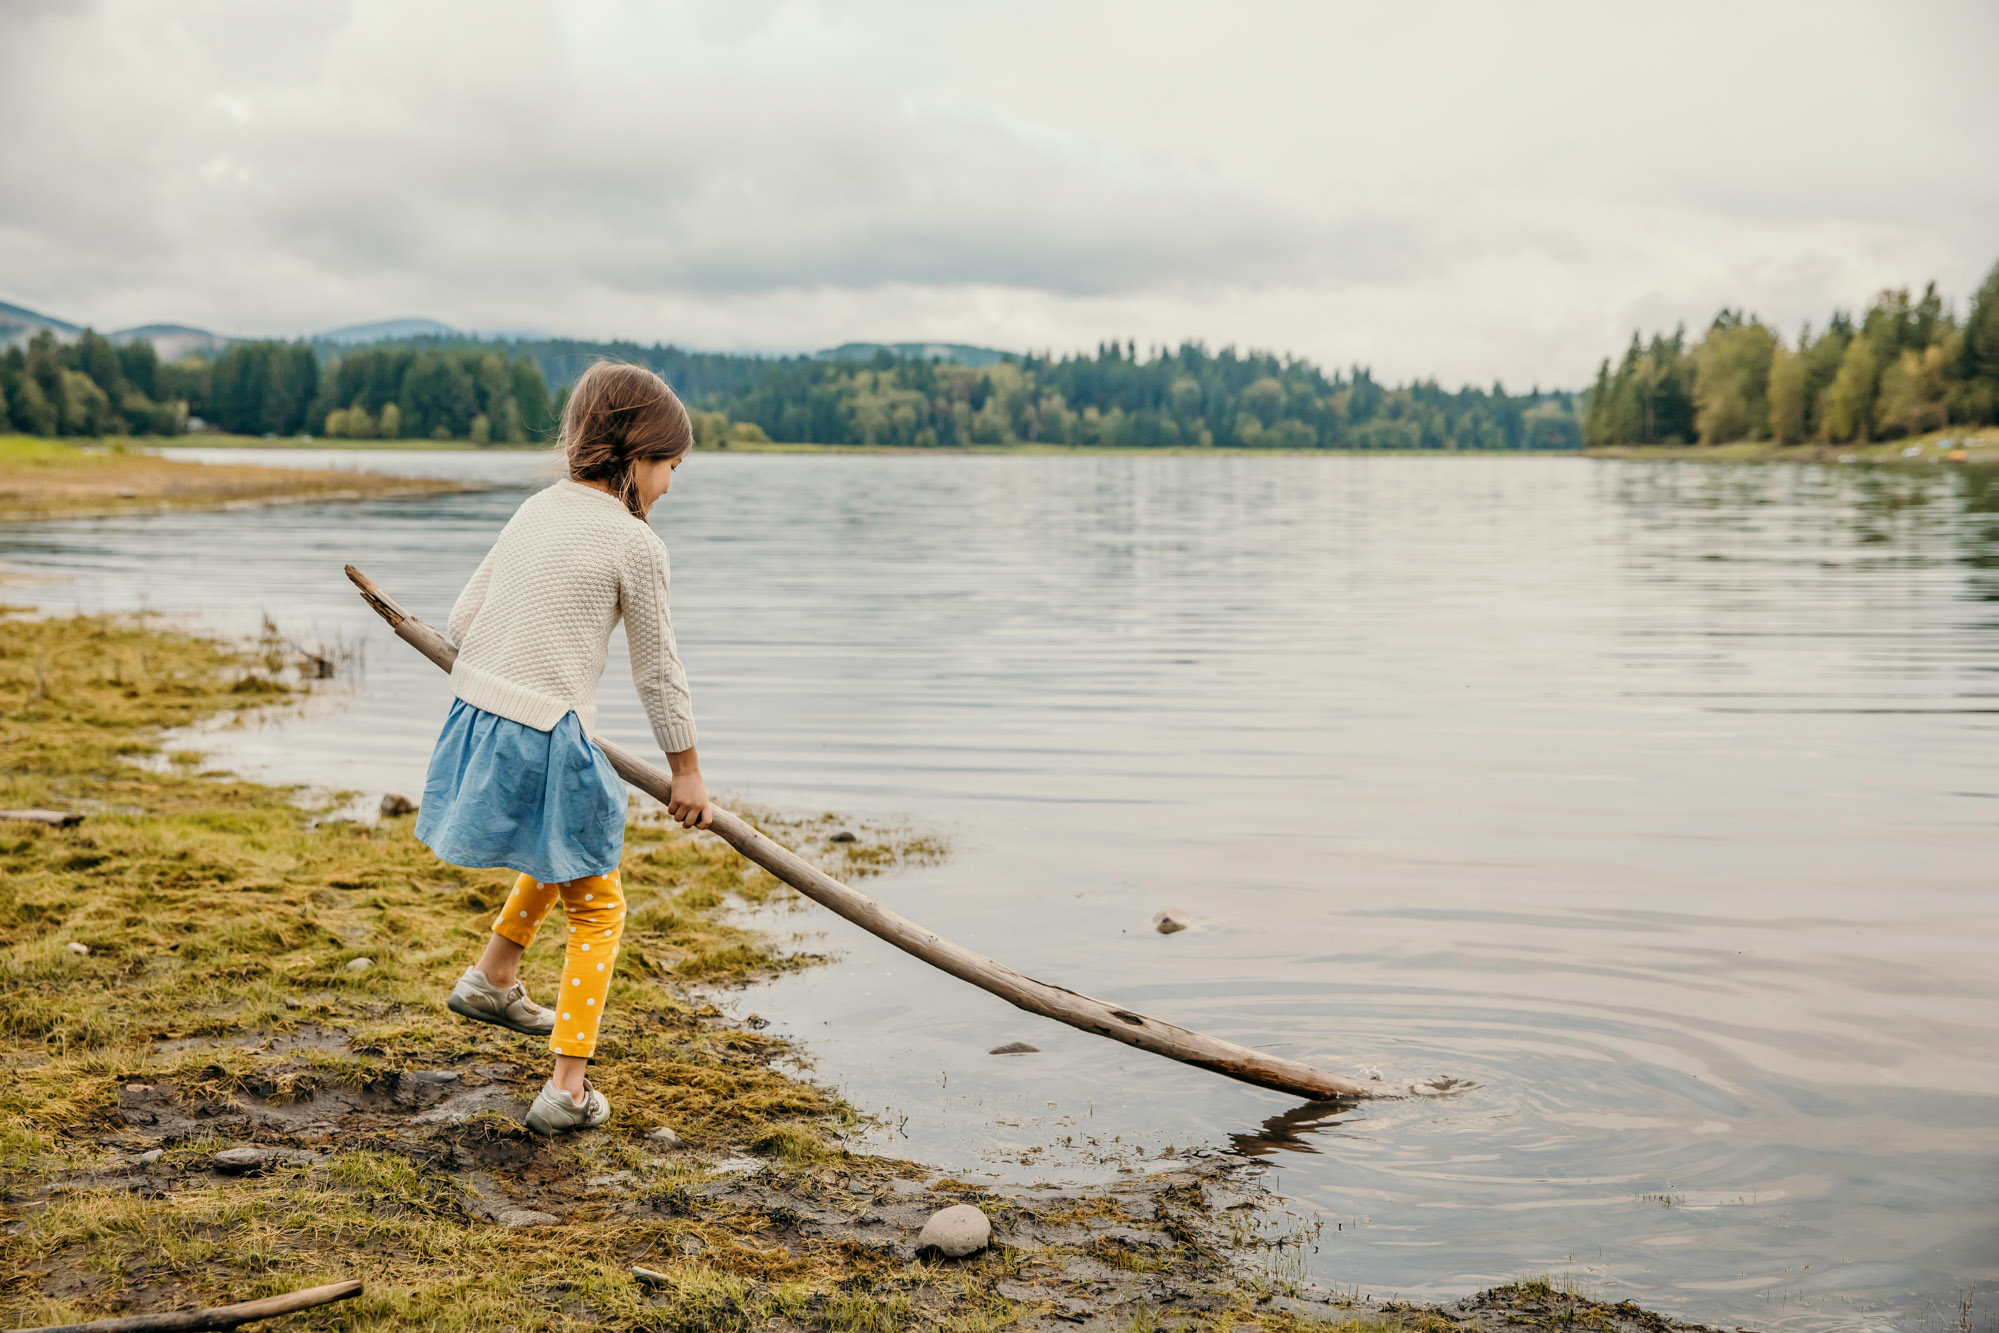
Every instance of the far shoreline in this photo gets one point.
(55, 479)
(1971, 445)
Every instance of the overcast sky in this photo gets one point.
(1471, 191)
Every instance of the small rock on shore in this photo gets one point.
(526, 1217)
(955, 1232)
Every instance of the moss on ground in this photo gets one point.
(65, 479)
(213, 1006)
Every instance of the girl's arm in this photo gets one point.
(656, 670)
(467, 606)
(658, 675)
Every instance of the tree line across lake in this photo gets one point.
(1905, 366)
(94, 387)
(497, 392)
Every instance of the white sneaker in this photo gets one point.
(555, 1111)
(507, 1007)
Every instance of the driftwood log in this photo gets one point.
(1024, 992)
(220, 1316)
(53, 818)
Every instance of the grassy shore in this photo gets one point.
(1963, 444)
(180, 974)
(59, 479)
(211, 440)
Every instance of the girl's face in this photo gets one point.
(654, 477)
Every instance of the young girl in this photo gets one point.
(515, 780)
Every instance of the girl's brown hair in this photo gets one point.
(620, 414)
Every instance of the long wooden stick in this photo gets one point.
(216, 1317)
(1064, 1006)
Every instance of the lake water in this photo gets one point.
(1660, 802)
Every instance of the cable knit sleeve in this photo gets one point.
(467, 606)
(656, 669)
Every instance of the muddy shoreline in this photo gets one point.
(1178, 1246)
(228, 1074)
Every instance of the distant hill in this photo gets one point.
(958, 354)
(18, 324)
(171, 342)
(384, 329)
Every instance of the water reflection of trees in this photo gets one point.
(1907, 517)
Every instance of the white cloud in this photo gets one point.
(1466, 191)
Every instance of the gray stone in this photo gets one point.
(956, 1232)
(843, 836)
(663, 1139)
(78, 948)
(1015, 1048)
(242, 1161)
(395, 803)
(1170, 921)
(151, 1155)
(359, 964)
(526, 1217)
(435, 1076)
(293, 1002)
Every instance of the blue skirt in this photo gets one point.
(499, 793)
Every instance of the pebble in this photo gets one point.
(1015, 1048)
(241, 1161)
(395, 803)
(435, 1076)
(843, 836)
(526, 1217)
(151, 1155)
(1170, 921)
(956, 1231)
(663, 1138)
(293, 1002)
(78, 948)
(359, 964)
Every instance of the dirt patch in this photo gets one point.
(1160, 1250)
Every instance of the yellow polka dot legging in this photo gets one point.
(595, 907)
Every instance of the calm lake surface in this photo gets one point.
(1658, 801)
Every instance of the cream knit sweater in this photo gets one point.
(533, 627)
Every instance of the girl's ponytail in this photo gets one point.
(620, 414)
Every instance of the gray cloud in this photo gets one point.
(1498, 195)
